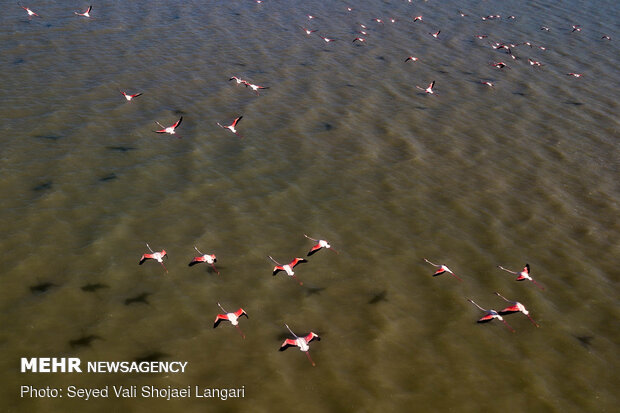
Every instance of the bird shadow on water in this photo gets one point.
(109, 177)
(84, 341)
(53, 138)
(313, 290)
(43, 186)
(91, 288)
(140, 298)
(585, 341)
(570, 102)
(154, 356)
(378, 297)
(121, 148)
(41, 288)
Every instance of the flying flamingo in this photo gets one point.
(86, 13)
(442, 269)
(412, 58)
(30, 12)
(237, 79)
(128, 96)
(255, 87)
(523, 275)
(359, 39)
(436, 34)
(288, 268)
(232, 126)
(308, 31)
(169, 129)
(301, 342)
(416, 18)
(157, 256)
(321, 243)
(429, 89)
(575, 74)
(490, 315)
(232, 317)
(208, 258)
(327, 39)
(515, 308)
(490, 84)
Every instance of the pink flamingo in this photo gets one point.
(515, 308)
(490, 315)
(442, 269)
(157, 256)
(301, 342)
(523, 275)
(232, 317)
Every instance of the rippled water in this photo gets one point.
(341, 146)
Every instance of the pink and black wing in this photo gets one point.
(314, 249)
(196, 260)
(219, 318)
(297, 261)
(439, 272)
(144, 258)
(178, 122)
(510, 310)
(486, 318)
(288, 343)
(312, 336)
(277, 269)
(234, 124)
(241, 312)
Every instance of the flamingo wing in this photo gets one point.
(314, 249)
(178, 122)
(288, 343)
(234, 124)
(241, 312)
(196, 260)
(144, 258)
(219, 318)
(297, 261)
(312, 336)
(510, 310)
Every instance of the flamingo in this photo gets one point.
(417, 18)
(442, 269)
(321, 243)
(232, 126)
(500, 65)
(429, 89)
(288, 268)
(574, 74)
(86, 13)
(30, 12)
(169, 129)
(515, 308)
(237, 79)
(490, 84)
(576, 28)
(359, 39)
(308, 31)
(534, 62)
(523, 275)
(301, 342)
(255, 87)
(412, 58)
(436, 34)
(232, 317)
(327, 39)
(208, 258)
(129, 97)
(490, 315)
(157, 256)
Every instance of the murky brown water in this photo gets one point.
(341, 146)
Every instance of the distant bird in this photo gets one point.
(442, 269)
(534, 62)
(238, 80)
(287, 268)
(436, 34)
(500, 65)
(377, 20)
(308, 31)
(515, 308)
(320, 243)
(359, 39)
(417, 18)
(490, 315)
(576, 28)
(232, 127)
(30, 12)
(327, 39)
(255, 88)
(575, 74)
(523, 275)
(481, 36)
(310, 16)
(412, 58)
(169, 129)
(232, 317)
(86, 13)
(301, 342)
(157, 256)
(545, 28)
(208, 258)
(462, 14)
(392, 20)
(486, 82)
(429, 89)
(129, 97)
(605, 37)
(511, 17)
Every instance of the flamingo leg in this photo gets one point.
(532, 320)
(240, 332)
(310, 358)
(508, 325)
(538, 285)
(218, 273)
